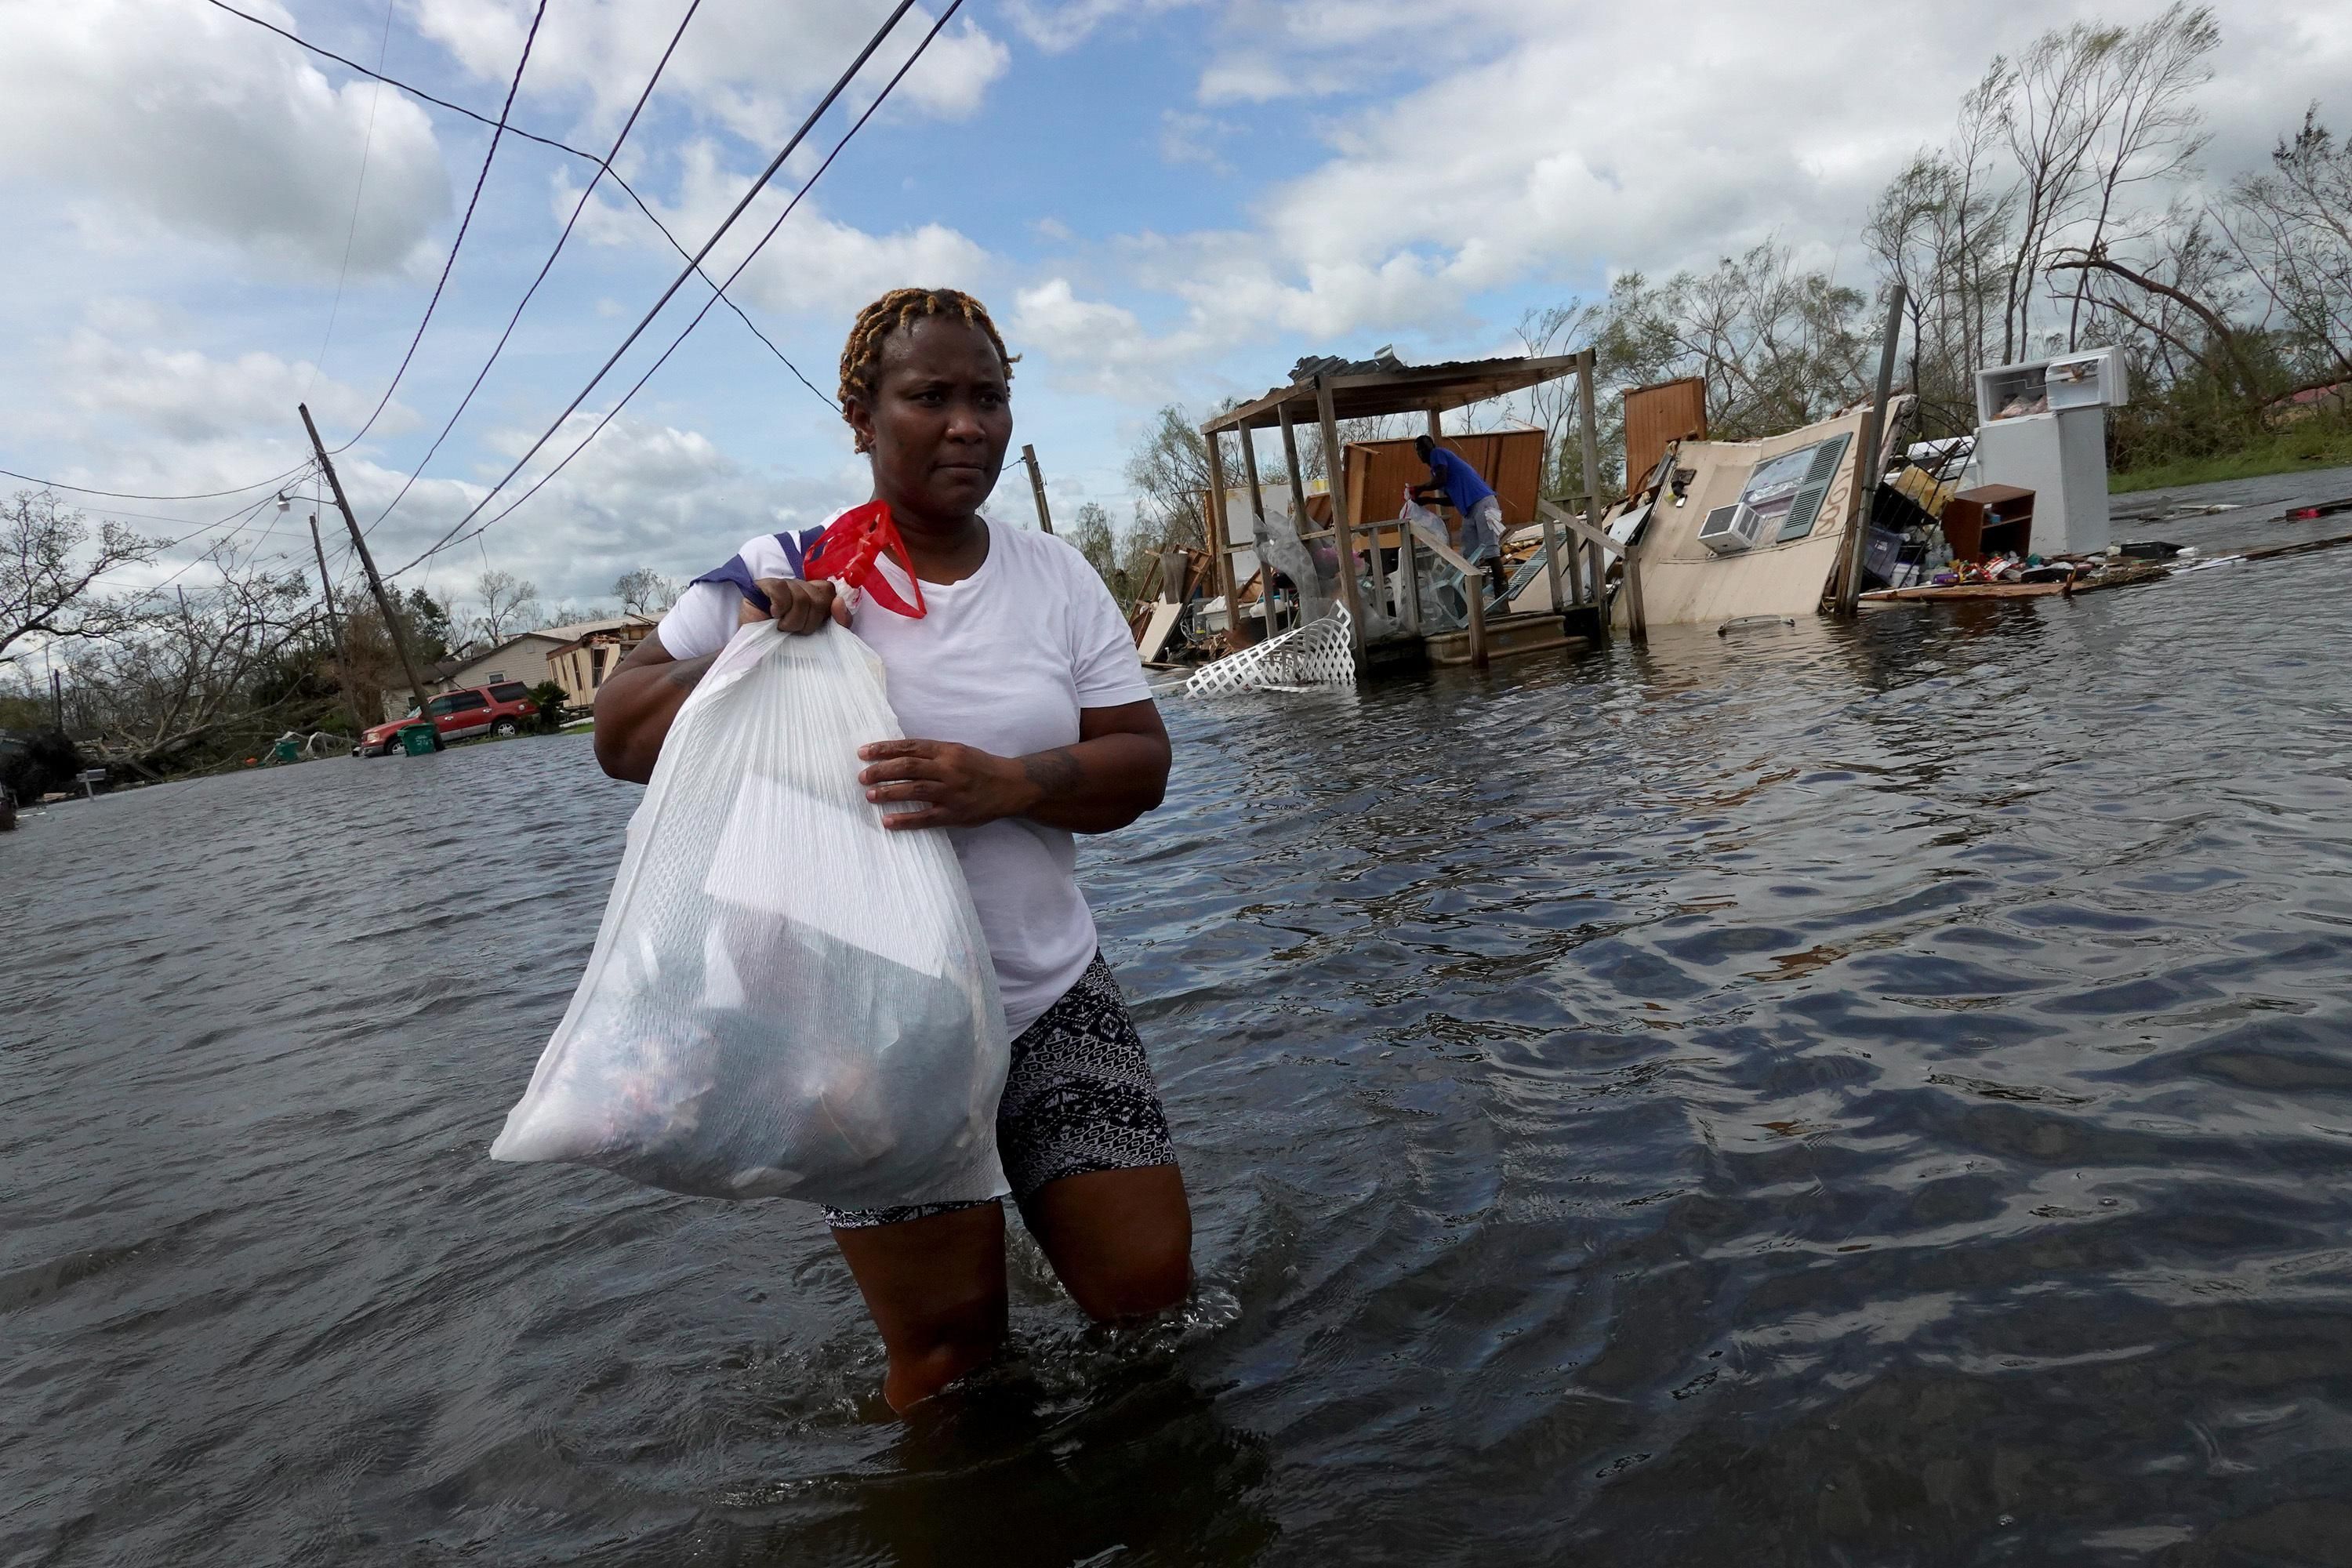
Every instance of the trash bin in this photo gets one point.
(418, 741)
(287, 749)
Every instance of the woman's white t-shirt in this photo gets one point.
(1002, 660)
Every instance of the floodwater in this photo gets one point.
(1815, 1095)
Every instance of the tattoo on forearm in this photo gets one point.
(1055, 773)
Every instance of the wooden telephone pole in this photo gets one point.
(335, 631)
(375, 585)
(1037, 485)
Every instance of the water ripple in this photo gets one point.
(1825, 1094)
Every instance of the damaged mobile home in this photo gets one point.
(1317, 583)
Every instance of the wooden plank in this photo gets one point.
(1971, 591)
(1441, 550)
(1334, 464)
(1585, 532)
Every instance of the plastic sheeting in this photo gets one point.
(784, 997)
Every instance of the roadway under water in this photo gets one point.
(1821, 1094)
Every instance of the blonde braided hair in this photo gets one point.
(861, 357)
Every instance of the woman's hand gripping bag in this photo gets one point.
(785, 998)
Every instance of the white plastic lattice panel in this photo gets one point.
(1320, 653)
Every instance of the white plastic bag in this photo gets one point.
(785, 998)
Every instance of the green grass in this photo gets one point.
(2311, 445)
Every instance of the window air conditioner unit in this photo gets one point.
(1729, 530)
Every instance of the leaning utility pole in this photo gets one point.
(375, 583)
(1037, 485)
(1866, 468)
(335, 631)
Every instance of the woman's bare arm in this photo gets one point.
(639, 701)
(1116, 772)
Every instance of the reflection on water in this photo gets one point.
(1815, 1094)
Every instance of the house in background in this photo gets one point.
(580, 665)
(528, 656)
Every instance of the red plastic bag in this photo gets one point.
(853, 550)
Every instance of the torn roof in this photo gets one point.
(1406, 389)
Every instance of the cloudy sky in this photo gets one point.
(1161, 200)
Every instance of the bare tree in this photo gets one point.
(49, 579)
(2292, 228)
(2249, 296)
(2149, 128)
(569, 613)
(1556, 406)
(645, 592)
(1936, 231)
(1170, 471)
(1091, 535)
(2180, 305)
(2049, 112)
(508, 604)
(1778, 347)
(184, 678)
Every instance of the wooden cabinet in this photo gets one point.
(1989, 521)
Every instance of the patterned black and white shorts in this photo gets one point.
(1079, 1098)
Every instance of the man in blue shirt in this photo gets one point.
(1458, 484)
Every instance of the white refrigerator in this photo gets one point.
(2042, 426)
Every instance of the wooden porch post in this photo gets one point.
(1297, 475)
(1257, 515)
(1342, 536)
(1215, 444)
(1586, 360)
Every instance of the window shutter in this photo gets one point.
(1807, 506)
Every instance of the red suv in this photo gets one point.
(500, 709)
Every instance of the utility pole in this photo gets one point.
(57, 700)
(1037, 485)
(335, 631)
(375, 583)
(1866, 465)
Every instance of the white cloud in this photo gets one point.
(1518, 143)
(1187, 137)
(1097, 348)
(184, 395)
(646, 493)
(1055, 26)
(753, 67)
(189, 120)
(814, 263)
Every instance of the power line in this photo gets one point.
(614, 412)
(512, 130)
(497, 133)
(367, 145)
(547, 266)
(249, 514)
(693, 265)
(134, 495)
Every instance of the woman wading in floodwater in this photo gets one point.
(1035, 723)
